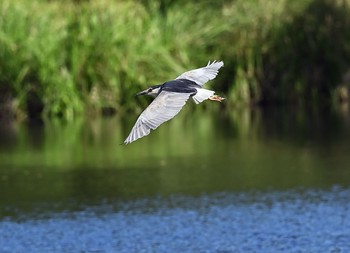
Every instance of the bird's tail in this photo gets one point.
(202, 94)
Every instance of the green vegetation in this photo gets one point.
(63, 58)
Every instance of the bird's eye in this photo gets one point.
(150, 90)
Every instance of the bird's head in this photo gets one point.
(151, 91)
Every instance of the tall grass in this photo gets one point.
(254, 27)
(309, 54)
(33, 58)
(60, 58)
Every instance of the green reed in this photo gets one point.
(60, 58)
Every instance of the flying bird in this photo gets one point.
(171, 96)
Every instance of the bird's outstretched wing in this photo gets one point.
(203, 75)
(163, 108)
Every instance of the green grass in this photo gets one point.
(59, 58)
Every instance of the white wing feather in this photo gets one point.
(204, 74)
(163, 108)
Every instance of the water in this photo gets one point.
(272, 180)
(312, 221)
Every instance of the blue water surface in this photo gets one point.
(289, 221)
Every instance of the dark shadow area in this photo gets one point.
(7, 110)
(309, 55)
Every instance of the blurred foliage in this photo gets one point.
(310, 53)
(65, 58)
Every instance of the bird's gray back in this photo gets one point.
(180, 86)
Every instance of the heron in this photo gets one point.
(171, 96)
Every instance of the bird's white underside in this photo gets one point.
(202, 94)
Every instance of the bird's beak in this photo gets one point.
(141, 93)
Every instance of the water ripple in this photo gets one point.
(291, 221)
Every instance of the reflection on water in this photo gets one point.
(197, 152)
(58, 176)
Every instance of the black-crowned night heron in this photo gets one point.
(171, 96)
